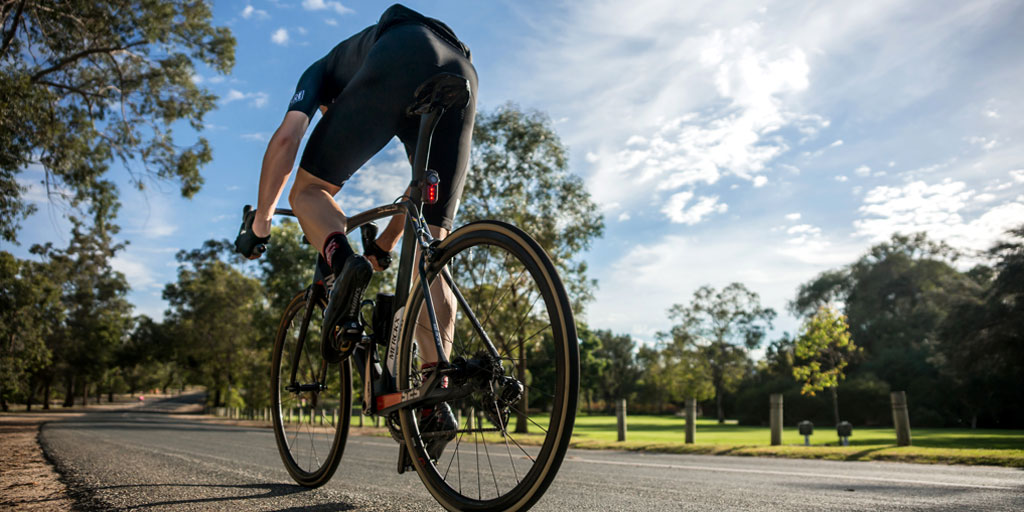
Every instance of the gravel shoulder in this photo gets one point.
(28, 481)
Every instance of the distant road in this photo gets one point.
(139, 460)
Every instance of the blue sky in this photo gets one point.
(760, 142)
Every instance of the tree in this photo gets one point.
(621, 374)
(287, 266)
(723, 326)
(213, 310)
(895, 298)
(824, 349)
(86, 82)
(521, 175)
(591, 365)
(97, 314)
(981, 342)
(29, 309)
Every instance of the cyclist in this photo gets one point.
(362, 88)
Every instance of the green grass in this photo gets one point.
(667, 433)
(668, 429)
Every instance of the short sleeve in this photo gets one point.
(307, 92)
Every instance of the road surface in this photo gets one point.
(139, 460)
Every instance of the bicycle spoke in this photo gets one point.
(527, 416)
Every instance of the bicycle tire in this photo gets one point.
(525, 256)
(307, 466)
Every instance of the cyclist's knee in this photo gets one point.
(308, 187)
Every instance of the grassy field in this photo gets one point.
(667, 433)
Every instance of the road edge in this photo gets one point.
(82, 496)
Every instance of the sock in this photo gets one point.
(336, 251)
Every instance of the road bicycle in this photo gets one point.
(511, 376)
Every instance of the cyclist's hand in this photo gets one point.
(247, 243)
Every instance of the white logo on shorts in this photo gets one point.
(298, 97)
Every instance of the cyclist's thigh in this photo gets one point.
(360, 122)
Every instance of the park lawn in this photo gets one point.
(667, 433)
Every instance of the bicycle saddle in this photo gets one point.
(441, 91)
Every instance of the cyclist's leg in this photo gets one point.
(443, 299)
(312, 200)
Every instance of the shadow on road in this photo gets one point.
(272, 491)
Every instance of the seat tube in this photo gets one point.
(428, 122)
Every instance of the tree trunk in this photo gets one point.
(69, 390)
(85, 392)
(31, 393)
(718, 403)
(524, 403)
(110, 396)
(3, 401)
(99, 394)
(46, 392)
(835, 405)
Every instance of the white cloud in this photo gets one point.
(379, 182)
(939, 210)
(760, 181)
(251, 12)
(280, 36)
(675, 209)
(982, 142)
(985, 198)
(862, 171)
(319, 5)
(256, 137)
(992, 114)
(302, 30)
(256, 99)
(836, 144)
(137, 272)
(664, 270)
(624, 216)
(792, 216)
(331, 21)
(1017, 175)
(841, 178)
(706, 106)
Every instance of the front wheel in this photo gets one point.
(512, 430)
(312, 400)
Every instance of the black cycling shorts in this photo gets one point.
(371, 109)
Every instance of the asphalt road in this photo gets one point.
(139, 460)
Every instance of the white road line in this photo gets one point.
(789, 473)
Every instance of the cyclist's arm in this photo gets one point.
(277, 166)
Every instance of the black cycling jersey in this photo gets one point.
(367, 82)
(321, 83)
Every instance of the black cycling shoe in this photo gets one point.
(341, 318)
(437, 428)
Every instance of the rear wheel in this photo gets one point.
(515, 426)
(312, 400)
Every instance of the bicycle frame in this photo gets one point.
(385, 397)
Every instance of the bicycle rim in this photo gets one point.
(503, 456)
(310, 422)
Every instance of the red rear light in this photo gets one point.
(430, 187)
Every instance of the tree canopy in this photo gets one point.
(521, 175)
(84, 83)
(723, 325)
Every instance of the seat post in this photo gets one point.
(428, 122)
